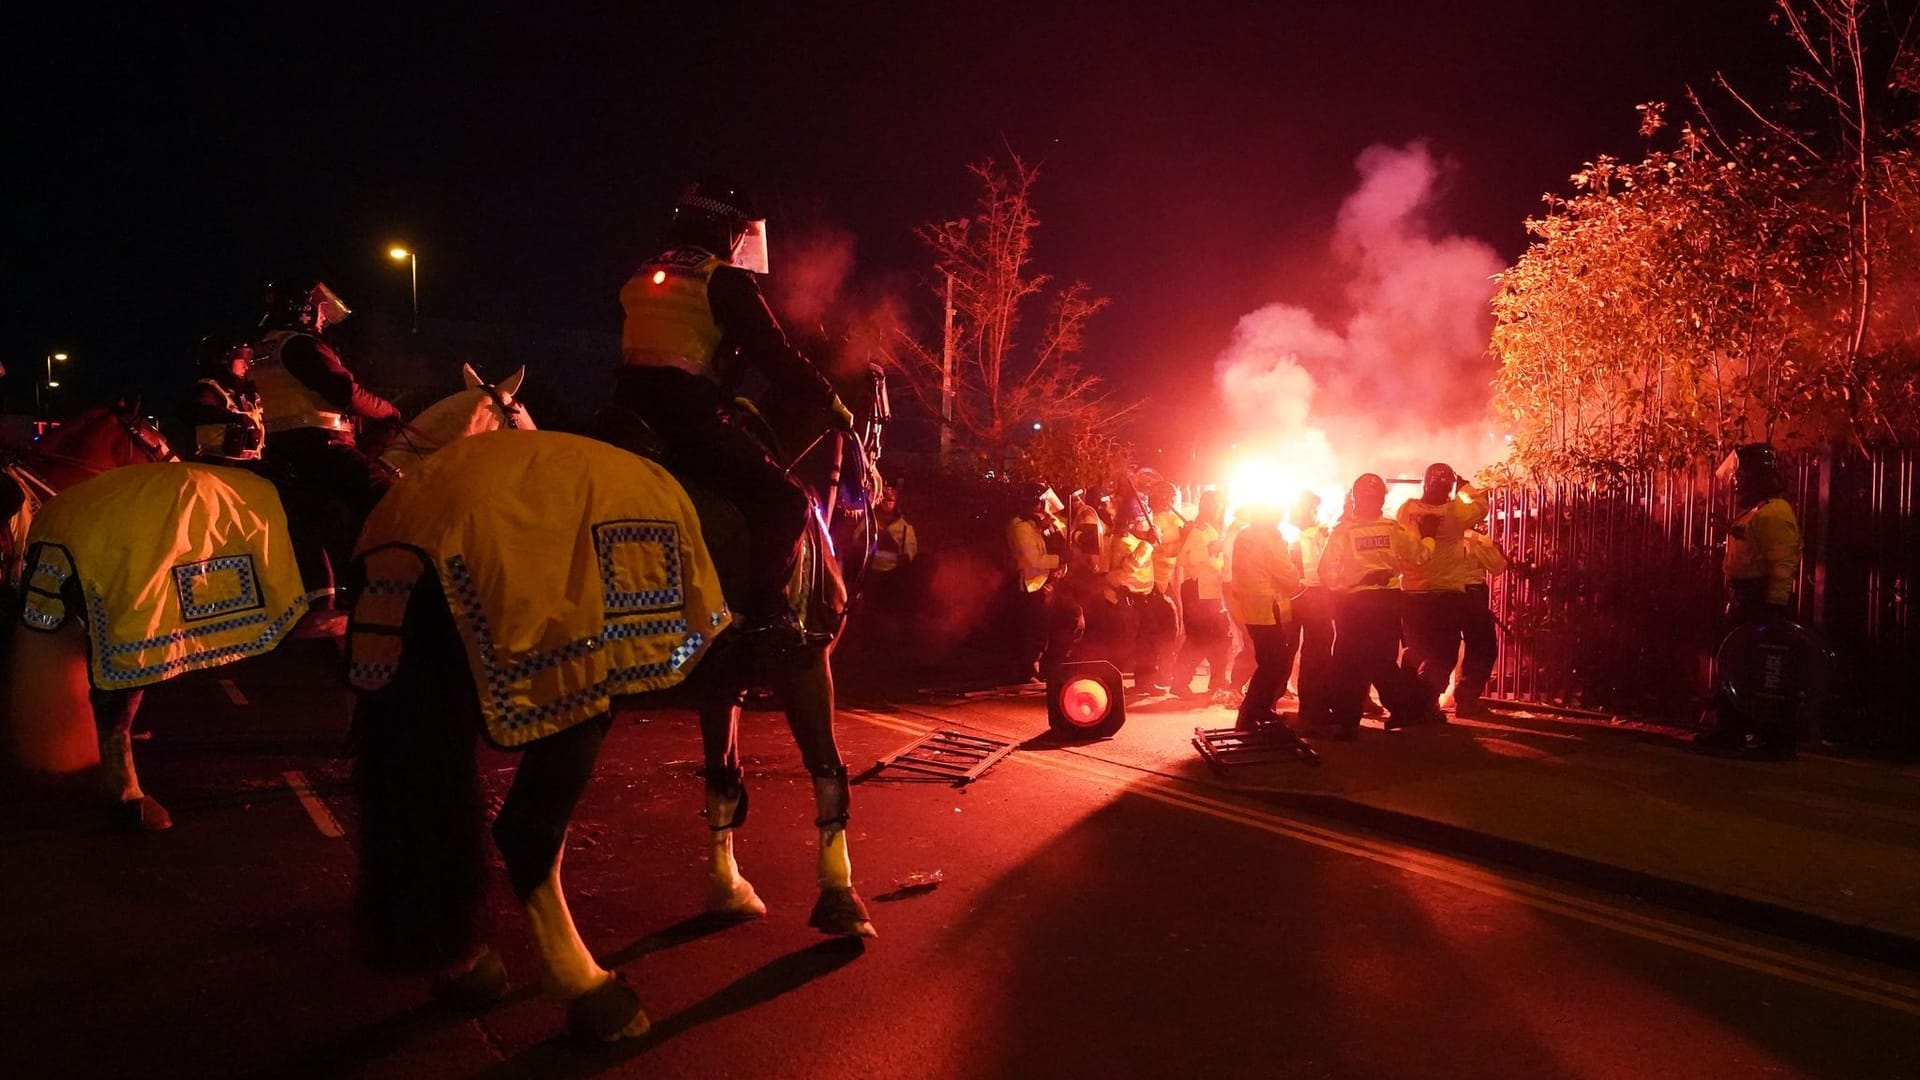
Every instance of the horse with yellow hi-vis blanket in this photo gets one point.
(517, 587)
(145, 572)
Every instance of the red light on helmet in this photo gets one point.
(659, 277)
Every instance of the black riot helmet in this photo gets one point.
(712, 213)
(301, 304)
(1438, 484)
(225, 358)
(1756, 473)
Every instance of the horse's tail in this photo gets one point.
(423, 865)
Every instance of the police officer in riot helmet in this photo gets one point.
(313, 405)
(695, 320)
(1762, 566)
(228, 428)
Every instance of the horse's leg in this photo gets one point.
(130, 809)
(806, 693)
(531, 831)
(727, 892)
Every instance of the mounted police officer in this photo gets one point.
(228, 425)
(310, 401)
(695, 319)
(311, 405)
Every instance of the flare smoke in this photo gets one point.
(1406, 379)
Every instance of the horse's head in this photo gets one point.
(97, 440)
(482, 406)
(503, 397)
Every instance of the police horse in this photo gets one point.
(98, 439)
(144, 572)
(520, 588)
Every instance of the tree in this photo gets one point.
(1727, 289)
(1000, 389)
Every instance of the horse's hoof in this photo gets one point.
(139, 815)
(482, 984)
(736, 901)
(841, 911)
(608, 1013)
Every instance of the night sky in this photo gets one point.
(1193, 155)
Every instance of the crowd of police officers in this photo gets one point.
(1395, 606)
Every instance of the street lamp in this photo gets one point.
(412, 259)
(52, 384)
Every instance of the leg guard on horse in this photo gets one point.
(129, 809)
(728, 893)
(806, 691)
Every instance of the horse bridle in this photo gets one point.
(421, 444)
(154, 447)
(500, 402)
(148, 439)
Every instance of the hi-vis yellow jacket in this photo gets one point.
(174, 567)
(286, 403)
(669, 320)
(1265, 578)
(1367, 555)
(1450, 569)
(1764, 543)
(575, 571)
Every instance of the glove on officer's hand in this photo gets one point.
(842, 417)
(1377, 577)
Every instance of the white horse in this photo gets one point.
(147, 572)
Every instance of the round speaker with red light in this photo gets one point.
(1086, 700)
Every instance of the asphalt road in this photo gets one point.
(1092, 920)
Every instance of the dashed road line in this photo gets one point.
(1808, 972)
(317, 811)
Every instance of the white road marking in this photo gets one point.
(233, 692)
(1808, 972)
(322, 817)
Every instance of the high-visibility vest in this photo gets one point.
(1357, 550)
(211, 439)
(286, 403)
(1763, 544)
(669, 321)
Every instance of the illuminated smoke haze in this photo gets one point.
(815, 290)
(1405, 380)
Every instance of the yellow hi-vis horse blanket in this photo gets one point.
(575, 572)
(178, 567)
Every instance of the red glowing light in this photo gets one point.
(659, 277)
(1084, 701)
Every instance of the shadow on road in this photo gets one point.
(563, 1056)
(381, 1040)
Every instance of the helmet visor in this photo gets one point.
(327, 304)
(750, 251)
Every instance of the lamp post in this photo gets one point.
(412, 259)
(41, 403)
